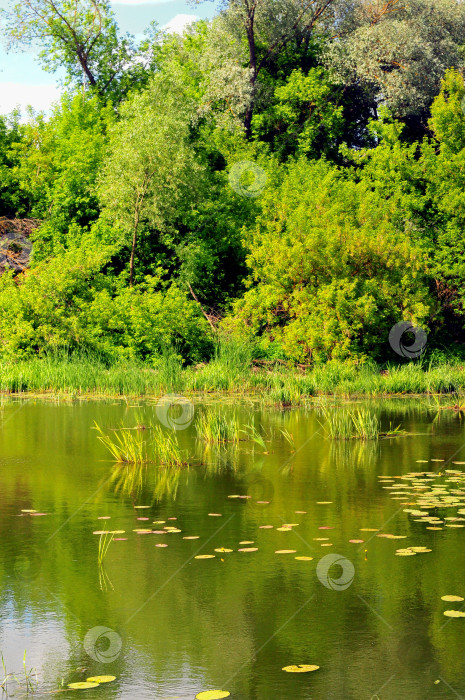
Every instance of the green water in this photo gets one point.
(180, 625)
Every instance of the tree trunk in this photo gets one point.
(253, 76)
(133, 248)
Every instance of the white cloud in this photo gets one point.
(40, 97)
(179, 23)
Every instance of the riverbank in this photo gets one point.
(275, 383)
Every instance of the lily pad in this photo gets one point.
(285, 551)
(101, 679)
(212, 695)
(454, 613)
(301, 668)
(304, 558)
(204, 556)
(82, 685)
(452, 598)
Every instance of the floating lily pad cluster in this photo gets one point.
(438, 498)
(92, 682)
(453, 599)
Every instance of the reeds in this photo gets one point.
(166, 450)
(125, 444)
(252, 434)
(26, 680)
(230, 370)
(214, 427)
(362, 424)
(130, 445)
(105, 540)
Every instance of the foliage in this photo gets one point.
(348, 216)
(82, 37)
(75, 305)
(401, 48)
(330, 274)
(57, 165)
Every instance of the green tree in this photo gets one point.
(151, 173)
(12, 200)
(330, 274)
(57, 165)
(82, 37)
(401, 49)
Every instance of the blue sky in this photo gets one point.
(23, 82)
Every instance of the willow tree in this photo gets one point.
(268, 27)
(151, 171)
(401, 48)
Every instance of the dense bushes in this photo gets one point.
(272, 175)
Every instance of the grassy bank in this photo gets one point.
(277, 384)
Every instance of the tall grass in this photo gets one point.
(338, 423)
(214, 427)
(133, 447)
(231, 370)
(344, 424)
(251, 433)
(26, 681)
(125, 444)
(105, 540)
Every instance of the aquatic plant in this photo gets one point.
(166, 450)
(27, 680)
(338, 423)
(214, 427)
(345, 424)
(289, 438)
(131, 445)
(105, 540)
(125, 444)
(252, 433)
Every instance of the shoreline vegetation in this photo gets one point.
(87, 376)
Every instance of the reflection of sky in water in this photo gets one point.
(188, 625)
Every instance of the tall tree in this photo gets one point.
(151, 171)
(82, 37)
(402, 49)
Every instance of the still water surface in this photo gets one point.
(177, 625)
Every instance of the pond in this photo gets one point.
(327, 591)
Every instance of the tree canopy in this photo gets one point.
(289, 172)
